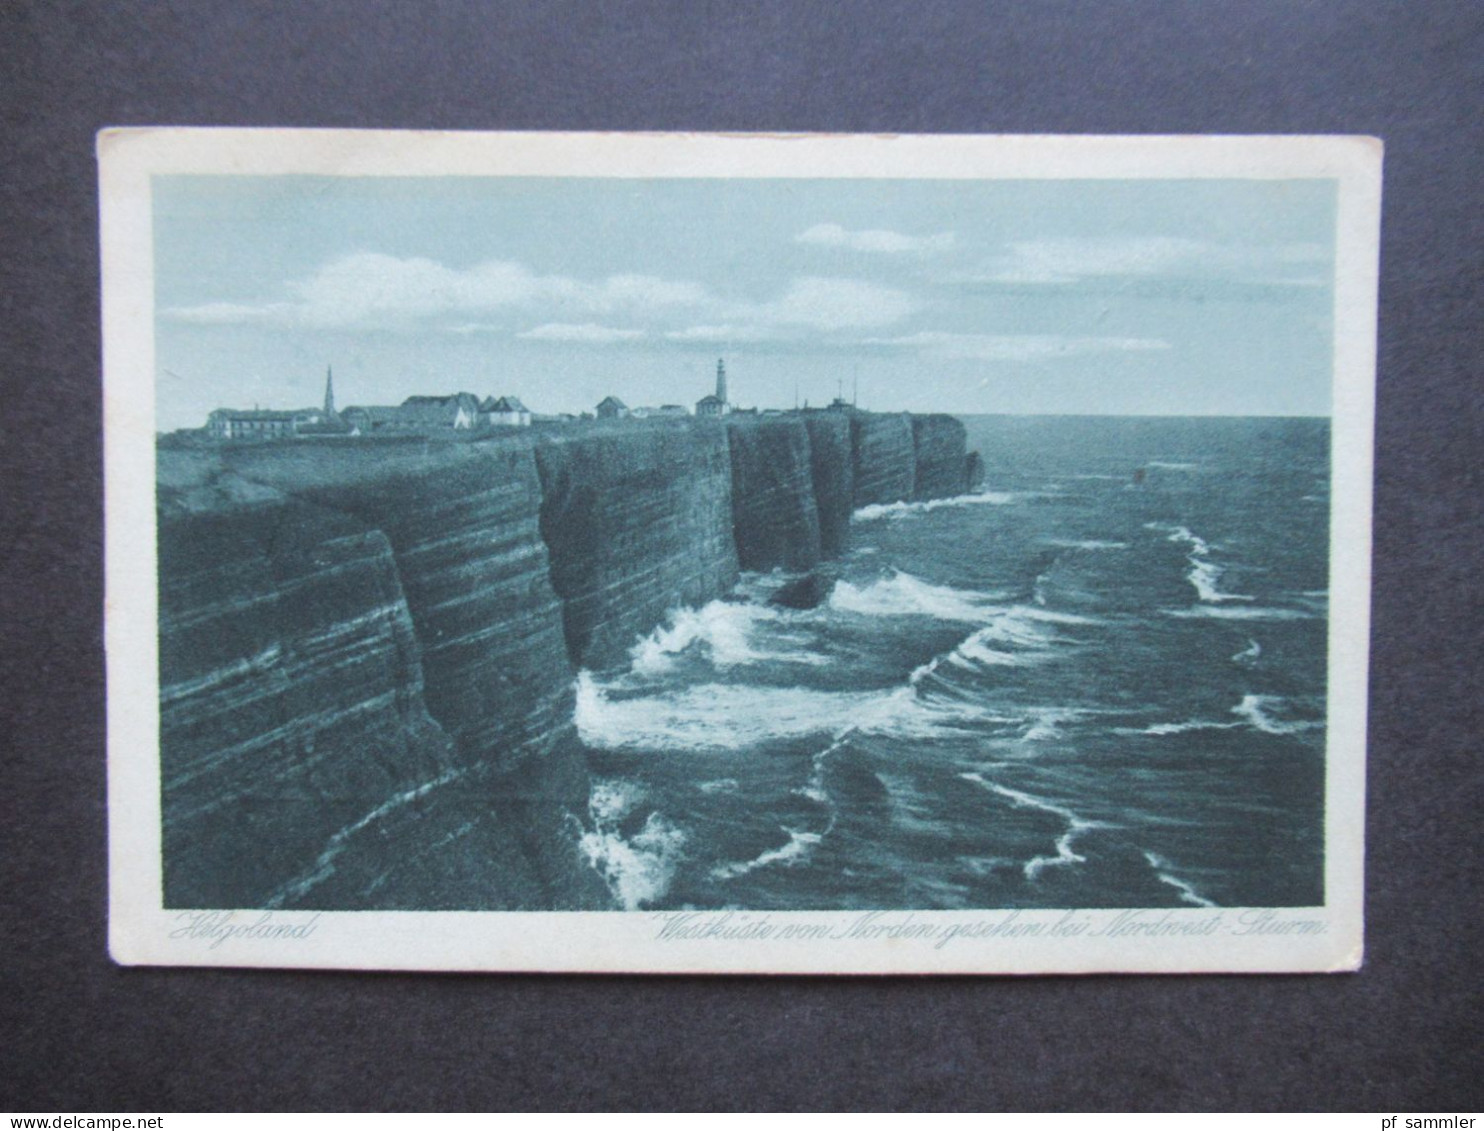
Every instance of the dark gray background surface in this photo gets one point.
(78, 1034)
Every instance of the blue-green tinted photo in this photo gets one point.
(533, 543)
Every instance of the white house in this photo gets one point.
(506, 412)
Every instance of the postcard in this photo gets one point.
(752, 554)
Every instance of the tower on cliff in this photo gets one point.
(329, 392)
(721, 381)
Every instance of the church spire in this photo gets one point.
(329, 392)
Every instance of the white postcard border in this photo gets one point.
(142, 931)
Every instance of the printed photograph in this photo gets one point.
(532, 543)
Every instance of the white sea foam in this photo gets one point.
(1076, 825)
(901, 594)
(1204, 573)
(1254, 710)
(720, 785)
(1164, 870)
(1168, 465)
(1259, 711)
(1177, 728)
(721, 717)
(798, 848)
(638, 870)
(723, 631)
(902, 510)
(1220, 612)
(1045, 723)
(1249, 653)
(1087, 544)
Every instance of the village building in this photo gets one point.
(259, 424)
(611, 408)
(661, 410)
(504, 412)
(458, 411)
(716, 404)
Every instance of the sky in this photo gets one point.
(1192, 297)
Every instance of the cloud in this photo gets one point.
(1013, 347)
(877, 240)
(723, 334)
(830, 304)
(579, 332)
(1065, 261)
(369, 289)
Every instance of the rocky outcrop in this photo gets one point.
(285, 642)
(468, 783)
(775, 519)
(463, 522)
(883, 459)
(637, 518)
(833, 470)
(939, 446)
(973, 472)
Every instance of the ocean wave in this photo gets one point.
(724, 717)
(639, 869)
(798, 848)
(1262, 712)
(1164, 870)
(1221, 612)
(724, 631)
(1203, 573)
(1161, 729)
(900, 594)
(1076, 825)
(1086, 544)
(1259, 710)
(901, 510)
(1169, 465)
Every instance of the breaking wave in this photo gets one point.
(722, 717)
(900, 594)
(1263, 712)
(1204, 573)
(637, 869)
(1259, 711)
(901, 510)
(800, 844)
(724, 631)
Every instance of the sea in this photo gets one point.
(1097, 681)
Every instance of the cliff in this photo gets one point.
(459, 569)
(940, 455)
(775, 519)
(832, 468)
(884, 462)
(368, 646)
(637, 519)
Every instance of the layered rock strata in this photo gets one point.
(368, 647)
(883, 460)
(637, 519)
(939, 446)
(832, 468)
(775, 518)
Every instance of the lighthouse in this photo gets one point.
(715, 404)
(329, 394)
